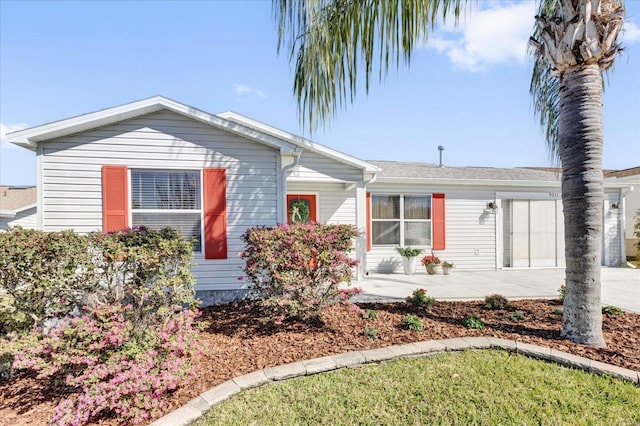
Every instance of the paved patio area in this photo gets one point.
(620, 286)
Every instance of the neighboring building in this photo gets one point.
(630, 208)
(17, 206)
(157, 162)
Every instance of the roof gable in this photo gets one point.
(29, 138)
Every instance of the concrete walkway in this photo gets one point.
(620, 286)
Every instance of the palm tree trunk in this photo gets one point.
(580, 136)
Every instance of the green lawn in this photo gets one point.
(471, 387)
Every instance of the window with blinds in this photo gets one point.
(168, 198)
(403, 220)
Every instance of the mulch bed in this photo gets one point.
(239, 343)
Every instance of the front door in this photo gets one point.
(301, 208)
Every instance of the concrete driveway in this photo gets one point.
(620, 286)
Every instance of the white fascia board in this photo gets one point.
(492, 183)
(628, 179)
(617, 185)
(302, 142)
(471, 182)
(29, 138)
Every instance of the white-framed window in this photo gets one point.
(401, 220)
(161, 198)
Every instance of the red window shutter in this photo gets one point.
(368, 221)
(115, 198)
(437, 213)
(215, 213)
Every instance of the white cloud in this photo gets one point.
(630, 33)
(8, 128)
(488, 36)
(243, 90)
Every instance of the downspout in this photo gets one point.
(288, 161)
(362, 241)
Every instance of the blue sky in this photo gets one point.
(467, 89)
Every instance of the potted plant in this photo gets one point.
(446, 267)
(409, 256)
(432, 263)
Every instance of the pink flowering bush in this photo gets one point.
(111, 370)
(109, 316)
(297, 268)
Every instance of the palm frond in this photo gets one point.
(332, 41)
(545, 86)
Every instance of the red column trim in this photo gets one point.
(215, 213)
(438, 218)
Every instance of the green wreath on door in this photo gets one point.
(299, 211)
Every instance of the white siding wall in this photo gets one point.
(470, 230)
(71, 170)
(315, 167)
(27, 219)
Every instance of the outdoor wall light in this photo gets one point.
(615, 206)
(492, 205)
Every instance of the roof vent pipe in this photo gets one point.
(441, 149)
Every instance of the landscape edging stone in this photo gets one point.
(195, 408)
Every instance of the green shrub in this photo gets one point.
(149, 270)
(413, 322)
(561, 292)
(495, 302)
(296, 269)
(371, 333)
(370, 314)
(516, 316)
(472, 321)
(419, 298)
(612, 310)
(43, 275)
(48, 275)
(558, 311)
